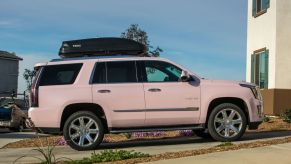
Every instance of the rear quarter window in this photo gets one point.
(59, 74)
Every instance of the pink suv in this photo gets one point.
(87, 97)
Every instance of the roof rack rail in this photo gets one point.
(92, 57)
(101, 47)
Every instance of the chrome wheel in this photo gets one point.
(228, 123)
(83, 131)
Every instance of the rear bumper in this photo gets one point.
(254, 125)
(44, 117)
(5, 124)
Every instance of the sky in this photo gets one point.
(206, 36)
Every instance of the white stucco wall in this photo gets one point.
(261, 34)
(283, 45)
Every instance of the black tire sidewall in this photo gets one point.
(211, 127)
(80, 114)
(202, 133)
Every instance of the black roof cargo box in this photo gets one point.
(101, 47)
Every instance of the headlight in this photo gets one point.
(255, 89)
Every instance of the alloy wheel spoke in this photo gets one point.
(76, 135)
(220, 128)
(224, 114)
(219, 120)
(89, 138)
(93, 131)
(90, 123)
(226, 132)
(238, 121)
(232, 114)
(81, 121)
(75, 127)
(81, 141)
(234, 129)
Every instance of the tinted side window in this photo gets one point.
(158, 71)
(121, 72)
(59, 74)
(99, 74)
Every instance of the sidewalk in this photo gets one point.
(280, 154)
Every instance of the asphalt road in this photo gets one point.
(146, 146)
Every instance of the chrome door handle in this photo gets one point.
(104, 91)
(154, 90)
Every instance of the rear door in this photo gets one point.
(116, 88)
(168, 100)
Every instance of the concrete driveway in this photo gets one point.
(146, 146)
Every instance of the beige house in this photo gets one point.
(269, 52)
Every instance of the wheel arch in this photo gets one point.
(91, 107)
(233, 100)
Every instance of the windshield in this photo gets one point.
(5, 102)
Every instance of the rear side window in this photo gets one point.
(99, 73)
(59, 74)
(121, 72)
(115, 72)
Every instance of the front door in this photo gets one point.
(116, 89)
(168, 100)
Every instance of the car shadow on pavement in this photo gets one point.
(191, 140)
(265, 135)
(154, 142)
(17, 135)
(6, 134)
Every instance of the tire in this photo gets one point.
(224, 128)
(77, 137)
(202, 133)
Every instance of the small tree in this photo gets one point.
(28, 75)
(137, 34)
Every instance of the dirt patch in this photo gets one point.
(275, 124)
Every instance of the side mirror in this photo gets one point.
(185, 77)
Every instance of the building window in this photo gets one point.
(260, 7)
(260, 68)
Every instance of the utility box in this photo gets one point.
(9, 65)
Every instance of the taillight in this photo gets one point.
(34, 97)
(34, 90)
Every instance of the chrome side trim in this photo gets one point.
(156, 128)
(159, 110)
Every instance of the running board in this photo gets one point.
(156, 128)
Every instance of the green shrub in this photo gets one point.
(266, 118)
(127, 135)
(287, 116)
(109, 156)
(47, 153)
(223, 144)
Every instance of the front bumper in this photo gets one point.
(254, 125)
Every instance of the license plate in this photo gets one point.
(5, 123)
